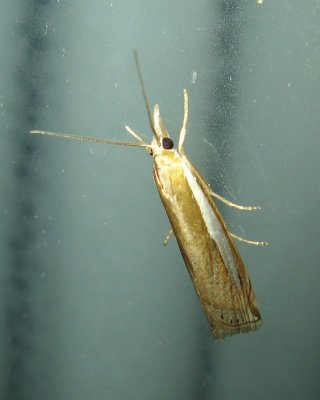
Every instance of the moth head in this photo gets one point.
(167, 143)
(161, 141)
(159, 130)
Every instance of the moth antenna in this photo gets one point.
(144, 93)
(93, 139)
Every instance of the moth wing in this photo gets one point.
(227, 296)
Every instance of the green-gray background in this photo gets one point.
(92, 305)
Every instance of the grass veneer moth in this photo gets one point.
(215, 266)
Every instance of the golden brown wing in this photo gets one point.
(214, 264)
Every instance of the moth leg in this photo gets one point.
(210, 192)
(167, 238)
(135, 134)
(256, 243)
(230, 204)
(183, 130)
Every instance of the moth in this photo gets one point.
(214, 264)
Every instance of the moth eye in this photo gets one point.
(167, 143)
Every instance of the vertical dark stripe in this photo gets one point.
(227, 53)
(29, 44)
(226, 48)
